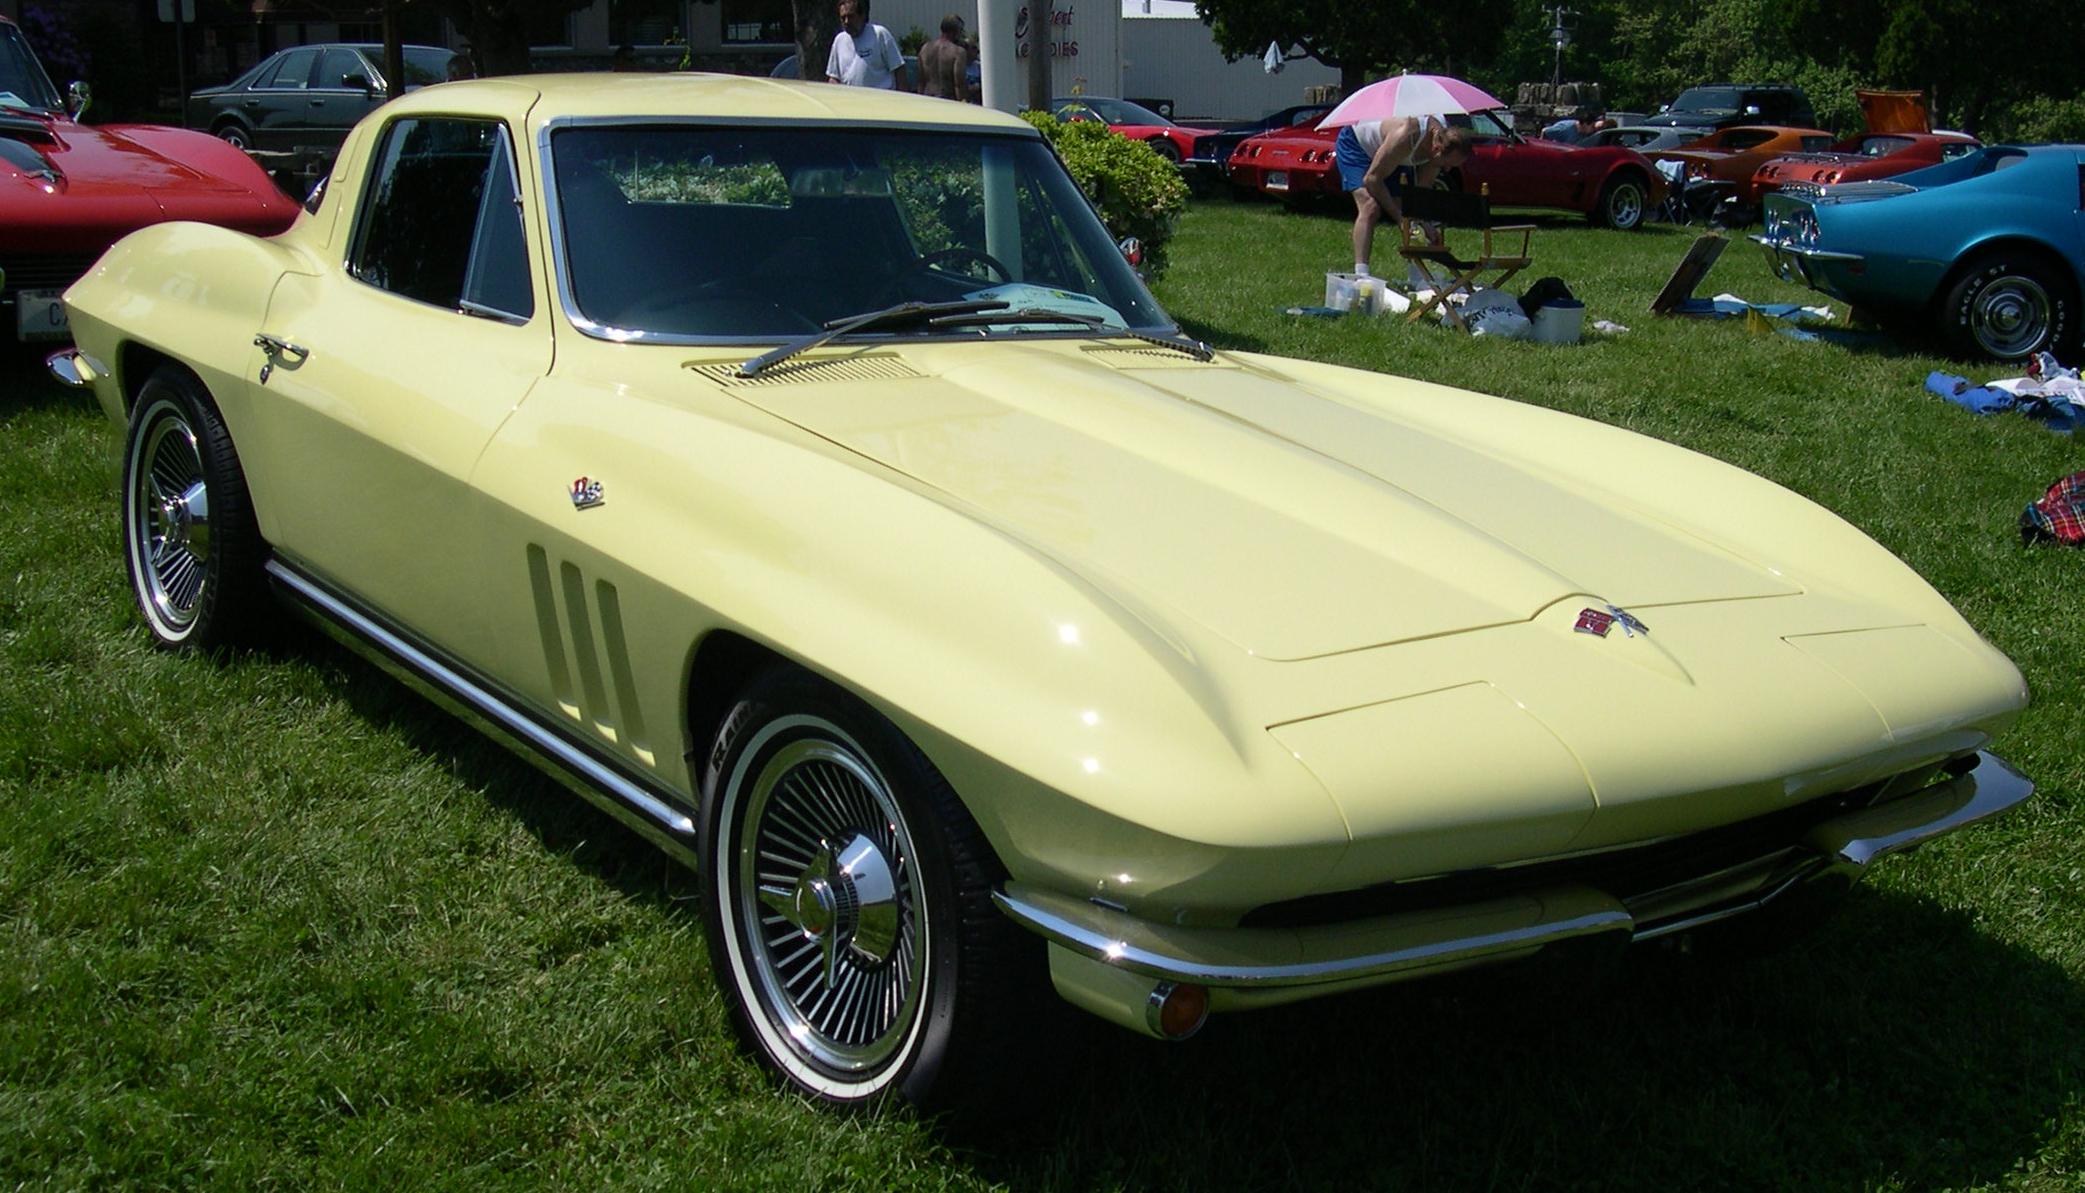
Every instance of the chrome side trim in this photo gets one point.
(615, 792)
(1386, 948)
(1379, 949)
(74, 368)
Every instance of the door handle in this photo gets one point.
(252, 104)
(318, 102)
(280, 349)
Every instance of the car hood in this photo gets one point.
(79, 187)
(1238, 497)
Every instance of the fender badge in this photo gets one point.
(1597, 623)
(586, 493)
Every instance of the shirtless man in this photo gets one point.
(945, 62)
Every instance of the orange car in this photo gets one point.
(1731, 155)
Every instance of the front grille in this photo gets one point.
(43, 271)
(1623, 873)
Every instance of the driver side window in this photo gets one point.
(441, 222)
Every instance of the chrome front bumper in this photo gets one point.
(1259, 966)
(75, 368)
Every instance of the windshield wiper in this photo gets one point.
(895, 316)
(1194, 348)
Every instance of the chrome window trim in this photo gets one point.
(553, 212)
(374, 160)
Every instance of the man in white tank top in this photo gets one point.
(1369, 156)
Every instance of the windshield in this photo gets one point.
(22, 81)
(1707, 99)
(721, 234)
(1882, 146)
(1121, 111)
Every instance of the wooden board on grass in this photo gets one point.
(1693, 267)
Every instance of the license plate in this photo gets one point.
(40, 315)
(1277, 180)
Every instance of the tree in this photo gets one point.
(498, 30)
(1361, 37)
(817, 22)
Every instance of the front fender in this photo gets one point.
(1096, 741)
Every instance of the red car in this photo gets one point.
(70, 190)
(1174, 142)
(1609, 184)
(1858, 159)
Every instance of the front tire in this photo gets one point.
(848, 902)
(191, 544)
(1165, 149)
(2009, 304)
(1622, 203)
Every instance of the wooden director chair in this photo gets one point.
(1446, 273)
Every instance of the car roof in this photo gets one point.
(683, 95)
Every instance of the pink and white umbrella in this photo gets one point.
(1409, 95)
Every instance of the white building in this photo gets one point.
(1149, 49)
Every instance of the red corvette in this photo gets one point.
(1858, 159)
(1174, 142)
(1609, 184)
(69, 190)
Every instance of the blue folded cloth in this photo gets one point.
(1977, 399)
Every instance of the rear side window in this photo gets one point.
(441, 222)
(293, 73)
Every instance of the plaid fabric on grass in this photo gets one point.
(2059, 515)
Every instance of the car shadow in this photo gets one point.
(1899, 1045)
(26, 385)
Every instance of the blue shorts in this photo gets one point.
(1353, 164)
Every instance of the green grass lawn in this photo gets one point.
(270, 921)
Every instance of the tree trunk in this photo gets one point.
(817, 21)
(394, 50)
(1040, 35)
(1351, 78)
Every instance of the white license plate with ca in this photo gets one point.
(40, 315)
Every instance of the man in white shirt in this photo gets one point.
(864, 55)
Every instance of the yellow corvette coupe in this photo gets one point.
(803, 474)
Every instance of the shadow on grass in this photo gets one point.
(1900, 1044)
(26, 386)
(1222, 337)
(565, 823)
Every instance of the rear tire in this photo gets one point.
(234, 134)
(191, 543)
(2010, 304)
(1623, 202)
(848, 904)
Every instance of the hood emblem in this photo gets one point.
(586, 493)
(1597, 623)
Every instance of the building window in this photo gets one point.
(752, 21)
(644, 22)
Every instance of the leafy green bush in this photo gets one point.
(1138, 193)
(2041, 118)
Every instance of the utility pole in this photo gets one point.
(1041, 35)
(1559, 36)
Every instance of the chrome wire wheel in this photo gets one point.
(167, 520)
(826, 916)
(2010, 316)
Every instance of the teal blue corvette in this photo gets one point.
(1988, 248)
